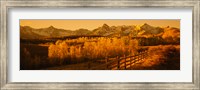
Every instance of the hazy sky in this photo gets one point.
(92, 24)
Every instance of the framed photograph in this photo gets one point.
(103, 44)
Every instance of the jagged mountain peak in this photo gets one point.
(146, 25)
(148, 29)
(51, 27)
(26, 27)
(105, 26)
(104, 30)
(28, 32)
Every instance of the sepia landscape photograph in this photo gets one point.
(116, 44)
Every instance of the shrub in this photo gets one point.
(165, 57)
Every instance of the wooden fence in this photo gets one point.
(121, 63)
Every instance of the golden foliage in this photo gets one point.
(171, 35)
(92, 48)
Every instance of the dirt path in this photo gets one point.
(79, 66)
(84, 66)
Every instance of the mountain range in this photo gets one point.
(27, 32)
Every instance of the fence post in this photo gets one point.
(118, 63)
(124, 61)
(142, 52)
(89, 65)
(141, 55)
(130, 60)
(138, 57)
(106, 62)
(146, 53)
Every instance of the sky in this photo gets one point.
(92, 24)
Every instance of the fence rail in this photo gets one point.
(121, 63)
